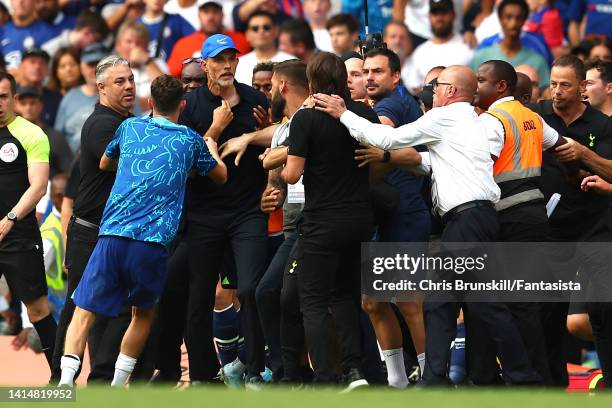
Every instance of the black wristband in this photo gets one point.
(386, 156)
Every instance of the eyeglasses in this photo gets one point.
(436, 84)
(192, 59)
(197, 80)
(265, 27)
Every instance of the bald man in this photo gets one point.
(534, 77)
(464, 194)
(523, 90)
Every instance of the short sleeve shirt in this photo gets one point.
(22, 143)
(155, 157)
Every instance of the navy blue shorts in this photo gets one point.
(122, 271)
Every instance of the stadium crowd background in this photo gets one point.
(53, 46)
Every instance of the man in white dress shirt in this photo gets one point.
(464, 193)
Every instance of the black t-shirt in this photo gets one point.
(578, 211)
(246, 182)
(51, 101)
(334, 185)
(72, 185)
(95, 185)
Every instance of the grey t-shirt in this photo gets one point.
(74, 109)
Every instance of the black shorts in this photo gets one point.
(25, 273)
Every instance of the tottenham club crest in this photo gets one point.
(9, 152)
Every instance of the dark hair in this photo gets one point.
(327, 74)
(595, 40)
(503, 71)
(604, 68)
(521, 3)
(294, 70)
(11, 79)
(166, 94)
(574, 63)
(261, 13)
(94, 21)
(394, 61)
(343, 20)
(266, 66)
(54, 81)
(299, 31)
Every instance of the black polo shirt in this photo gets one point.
(95, 185)
(246, 182)
(578, 211)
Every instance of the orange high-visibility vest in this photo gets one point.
(520, 160)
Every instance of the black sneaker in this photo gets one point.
(353, 379)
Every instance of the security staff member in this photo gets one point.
(115, 83)
(464, 194)
(517, 136)
(589, 134)
(218, 215)
(24, 172)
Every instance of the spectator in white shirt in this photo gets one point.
(315, 12)
(397, 38)
(444, 48)
(261, 33)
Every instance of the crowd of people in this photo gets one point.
(205, 171)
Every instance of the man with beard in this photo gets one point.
(218, 215)
(579, 213)
(117, 97)
(289, 93)
(444, 48)
(410, 221)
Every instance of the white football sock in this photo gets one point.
(421, 358)
(69, 364)
(123, 368)
(396, 371)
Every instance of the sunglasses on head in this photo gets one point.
(265, 27)
(192, 59)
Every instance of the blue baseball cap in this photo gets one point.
(216, 44)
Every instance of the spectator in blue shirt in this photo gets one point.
(25, 31)
(164, 29)
(57, 21)
(140, 219)
(379, 14)
(598, 15)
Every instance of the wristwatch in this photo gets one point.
(11, 216)
(386, 156)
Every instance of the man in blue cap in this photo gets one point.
(218, 215)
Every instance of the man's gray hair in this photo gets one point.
(105, 64)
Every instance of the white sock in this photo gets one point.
(69, 364)
(396, 371)
(421, 358)
(123, 368)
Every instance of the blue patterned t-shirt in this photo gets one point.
(155, 158)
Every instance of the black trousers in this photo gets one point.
(291, 324)
(268, 297)
(596, 272)
(329, 279)
(479, 224)
(207, 243)
(521, 223)
(172, 315)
